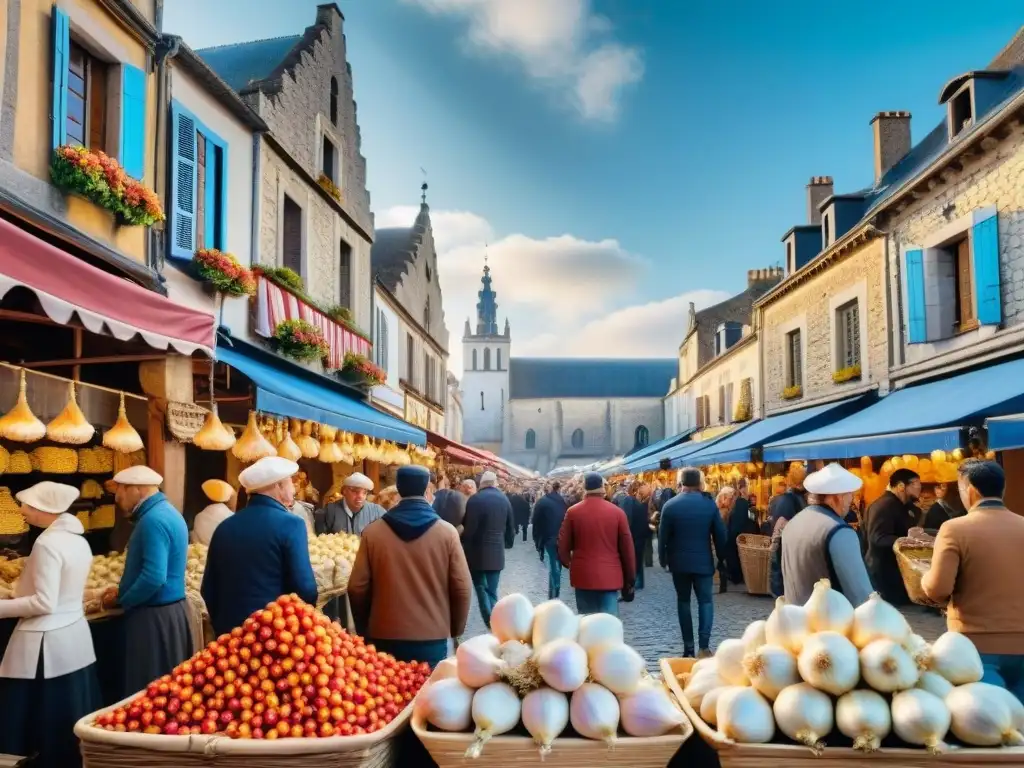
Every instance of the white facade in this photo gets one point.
(385, 355)
(485, 389)
(453, 410)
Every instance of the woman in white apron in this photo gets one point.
(48, 673)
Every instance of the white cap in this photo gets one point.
(49, 497)
(267, 471)
(358, 480)
(832, 480)
(140, 475)
(488, 478)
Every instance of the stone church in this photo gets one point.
(545, 413)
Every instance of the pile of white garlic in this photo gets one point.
(547, 668)
(824, 666)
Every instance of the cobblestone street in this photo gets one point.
(651, 621)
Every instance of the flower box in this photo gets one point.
(329, 186)
(793, 393)
(222, 273)
(843, 375)
(360, 371)
(301, 341)
(100, 179)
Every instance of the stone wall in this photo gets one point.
(421, 283)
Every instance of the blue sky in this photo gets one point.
(621, 157)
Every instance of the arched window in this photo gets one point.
(481, 400)
(474, 359)
(334, 100)
(426, 315)
(577, 438)
(531, 439)
(498, 353)
(487, 358)
(641, 437)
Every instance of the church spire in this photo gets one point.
(487, 307)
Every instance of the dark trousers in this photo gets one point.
(638, 551)
(649, 553)
(525, 526)
(554, 570)
(486, 585)
(703, 587)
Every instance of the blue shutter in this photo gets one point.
(917, 326)
(133, 121)
(183, 184)
(61, 54)
(985, 247)
(212, 171)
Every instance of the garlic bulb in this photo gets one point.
(515, 653)
(787, 626)
(287, 449)
(307, 443)
(887, 668)
(123, 437)
(770, 669)
(955, 658)
(69, 426)
(330, 451)
(20, 424)
(875, 619)
(981, 718)
(730, 655)
(934, 683)
(709, 704)
(918, 648)
(512, 618)
(829, 662)
(617, 667)
(828, 610)
(594, 713)
(754, 635)
(704, 665)
(649, 711)
(745, 716)
(214, 436)
(446, 705)
(496, 710)
(599, 629)
(563, 665)
(252, 445)
(700, 685)
(864, 717)
(1014, 704)
(478, 661)
(921, 718)
(447, 668)
(545, 715)
(804, 714)
(553, 620)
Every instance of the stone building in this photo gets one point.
(453, 410)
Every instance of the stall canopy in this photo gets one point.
(306, 395)
(738, 446)
(1006, 432)
(457, 451)
(104, 303)
(676, 454)
(631, 462)
(918, 419)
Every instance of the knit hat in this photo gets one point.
(593, 481)
(412, 480)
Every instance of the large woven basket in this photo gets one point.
(733, 755)
(755, 562)
(907, 551)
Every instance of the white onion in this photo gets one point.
(887, 668)
(515, 653)
(787, 626)
(563, 665)
(478, 661)
(864, 717)
(496, 710)
(754, 635)
(445, 669)
(594, 713)
(649, 711)
(828, 610)
(699, 685)
(512, 618)
(446, 704)
(702, 665)
(617, 667)
(875, 619)
(709, 704)
(981, 717)
(804, 714)
(745, 716)
(554, 620)
(935, 683)
(829, 662)
(1015, 706)
(770, 669)
(545, 715)
(919, 649)
(730, 662)
(599, 629)
(921, 718)
(955, 658)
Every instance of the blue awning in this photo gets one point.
(298, 394)
(1006, 432)
(631, 462)
(677, 452)
(917, 419)
(739, 445)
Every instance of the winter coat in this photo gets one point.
(450, 505)
(488, 530)
(639, 521)
(596, 546)
(689, 523)
(548, 515)
(520, 510)
(886, 520)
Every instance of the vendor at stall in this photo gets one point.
(152, 589)
(889, 518)
(352, 512)
(259, 553)
(48, 674)
(223, 498)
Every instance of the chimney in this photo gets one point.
(818, 189)
(329, 15)
(770, 274)
(892, 140)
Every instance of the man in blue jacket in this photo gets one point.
(152, 589)
(548, 514)
(689, 523)
(261, 552)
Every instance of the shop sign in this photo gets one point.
(184, 420)
(416, 413)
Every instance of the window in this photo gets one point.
(848, 339)
(345, 275)
(794, 360)
(966, 316)
(328, 159)
(430, 274)
(200, 191)
(789, 259)
(426, 315)
(961, 112)
(577, 439)
(729, 389)
(474, 360)
(824, 231)
(291, 240)
(87, 99)
(498, 353)
(198, 217)
(334, 100)
(481, 400)
(721, 403)
(381, 342)
(641, 436)
(531, 440)
(487, 358)
(410, 358)
(428, 376)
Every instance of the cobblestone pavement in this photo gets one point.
(651, 622)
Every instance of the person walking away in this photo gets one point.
(48, 674)
(488, 531)
(977, 566)
(594, 543)
(889, 518)
(352, 512)
(452, 508)
(259, 553)
(635, 506)
(520, 511)
(548, 514)
(690, 523)
(152, 589)
(782, 509)
(941, 511)
(818, 543)
(221, 496)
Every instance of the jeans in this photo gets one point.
(638, 551)
(1005, 670)
(703, 586)
(431, 651)
(554, 570)
(597, 601)
(486, 585)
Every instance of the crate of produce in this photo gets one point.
(755, 562)
(914, 559)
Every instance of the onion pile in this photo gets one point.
(545, 667)
(824, 668)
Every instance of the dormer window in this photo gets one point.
(789, 259)
(726, 335)
(961, 111)
(826, 229)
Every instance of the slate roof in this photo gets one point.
(551, 378)
(240, 64)
(394, 249)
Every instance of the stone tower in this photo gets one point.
(485, 365)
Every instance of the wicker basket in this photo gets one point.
(733, 755)
(107, 749)
(755, 562)
(905, 550)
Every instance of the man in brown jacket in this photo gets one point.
(410, 584)
(978, 566)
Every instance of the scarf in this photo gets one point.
(411, 518)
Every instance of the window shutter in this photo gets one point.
(985, 241)
(183, 185)
(61, 52)
(133, 121)
(222, 206)
(210, 223)
(917, 329)
(721, 403)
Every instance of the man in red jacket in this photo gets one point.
(596, 546)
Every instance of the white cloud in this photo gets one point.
(558, 42)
